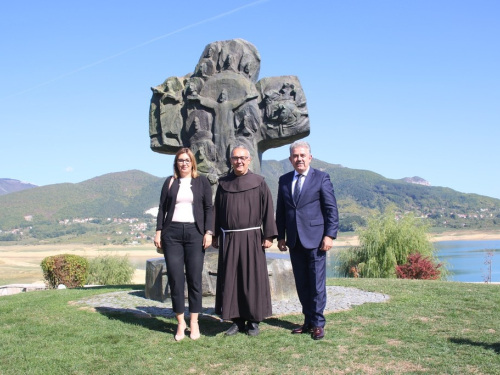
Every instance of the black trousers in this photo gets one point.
(183, 246)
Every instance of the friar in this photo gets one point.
(244, 228)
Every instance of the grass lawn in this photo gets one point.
(427, 327)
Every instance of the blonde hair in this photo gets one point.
(194, 168)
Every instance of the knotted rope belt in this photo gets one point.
(224, 231)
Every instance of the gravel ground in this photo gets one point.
(339, 298)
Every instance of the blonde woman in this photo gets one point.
(184, 230)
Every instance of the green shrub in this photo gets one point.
(385, 243)
(350, 223)
(110, 270)
(9, 237)
(67, 269)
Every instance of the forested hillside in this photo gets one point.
(359, 193)
(122, 194)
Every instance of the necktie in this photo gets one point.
(296, 192)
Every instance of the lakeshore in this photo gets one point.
(21, 264)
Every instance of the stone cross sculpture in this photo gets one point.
(221, 105)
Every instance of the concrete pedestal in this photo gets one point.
(280, 272)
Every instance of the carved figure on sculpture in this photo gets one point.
(221, 104)
(287, 92)
(203, 147)
(166, 106)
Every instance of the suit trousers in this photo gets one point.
(309, 271)
(183, 246)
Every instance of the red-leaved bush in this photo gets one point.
(418, 267)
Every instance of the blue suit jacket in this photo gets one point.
(315, 214)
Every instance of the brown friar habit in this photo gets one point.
(243, 202)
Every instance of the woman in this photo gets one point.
(184, 231)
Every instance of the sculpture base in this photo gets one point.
(281, 280)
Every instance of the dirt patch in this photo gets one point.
(394, 342)
(21, 264)
(402, 367)
(87, 308)
(365, 321)
(471, 235)
(424, 319)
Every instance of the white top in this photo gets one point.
(183, 211)
(295, 178)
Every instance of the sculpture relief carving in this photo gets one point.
(221, 104)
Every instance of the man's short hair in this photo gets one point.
(297, 144)
(241, 146)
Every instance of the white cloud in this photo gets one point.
(69, 169)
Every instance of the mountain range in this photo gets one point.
(359, 193)
(9, 185)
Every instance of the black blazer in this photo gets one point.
(202, 204)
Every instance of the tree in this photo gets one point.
(386, 242)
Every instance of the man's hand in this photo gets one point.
(282, 245)
(267, 243)
(327, 243)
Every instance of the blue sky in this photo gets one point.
(400, 88)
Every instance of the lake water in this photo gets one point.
(465, 259)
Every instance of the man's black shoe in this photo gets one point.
(252, 328)
(233, 330)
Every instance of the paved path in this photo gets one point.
(339, 298)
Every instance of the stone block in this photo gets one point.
(280, 272)
(156, 279)
(281, 280)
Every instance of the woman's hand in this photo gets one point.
(207, 240)
(157, 240)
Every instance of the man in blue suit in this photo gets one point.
(307, 216)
